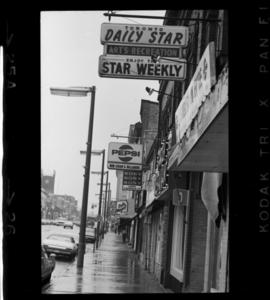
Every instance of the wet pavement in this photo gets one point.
(113, 268)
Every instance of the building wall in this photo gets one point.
(196, 247)
(201, 33)
(166, 240)
(149, 117)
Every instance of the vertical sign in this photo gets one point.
(132, 180)
(200, 86)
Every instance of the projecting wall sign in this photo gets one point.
(132, 180)
(121, 206)
(144, 34)
(199, 87)
(141, 68)
(123, 156)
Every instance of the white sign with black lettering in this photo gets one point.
(144, 34)
(199, 87)
(141, 68)
(123, 156)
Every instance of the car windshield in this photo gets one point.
(61, 238)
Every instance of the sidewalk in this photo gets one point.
(113, 268)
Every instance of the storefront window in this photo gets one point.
(178, 239)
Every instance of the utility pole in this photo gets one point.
(100, 199)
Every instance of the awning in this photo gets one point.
(204, 148)
(159, 201)
(128, 218)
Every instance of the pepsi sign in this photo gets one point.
(123, 156)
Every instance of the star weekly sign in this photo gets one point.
(147, 40)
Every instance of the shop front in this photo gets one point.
(202, 151)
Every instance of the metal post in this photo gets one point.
(105, 204)
(100, 199)
(81, 249)
(108, 202)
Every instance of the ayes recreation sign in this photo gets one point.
(119, 61)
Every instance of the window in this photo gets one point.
(178, 238)
(159, 238)
(216, 258)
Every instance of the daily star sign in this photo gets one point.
(143, 67)
(144, 34)
(123, 156)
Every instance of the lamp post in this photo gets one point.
(100, 196)
(105, 201)
(81, 92)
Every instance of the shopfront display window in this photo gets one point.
(178, 238)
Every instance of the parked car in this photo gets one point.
(68, 224)
(61, 245)
(47, 265)
(60, 222)
(90, 235)
(75, 236)
(45, 222)
(77, 222)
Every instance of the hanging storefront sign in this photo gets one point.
(200, 86)
(144, 34)
(113, 207)
(141, 68)
(123, 156)
(121, 206)
(142, 50)
(132, 180)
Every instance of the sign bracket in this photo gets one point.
(112, 14)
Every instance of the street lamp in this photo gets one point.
(82, 92)
(105, 202)
(100, 196)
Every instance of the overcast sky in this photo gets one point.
(70, 48)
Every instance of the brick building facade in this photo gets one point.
(182, 225)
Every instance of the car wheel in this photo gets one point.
(47, 279)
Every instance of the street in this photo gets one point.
(113, 268)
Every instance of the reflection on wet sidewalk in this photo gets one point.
(113, 268)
